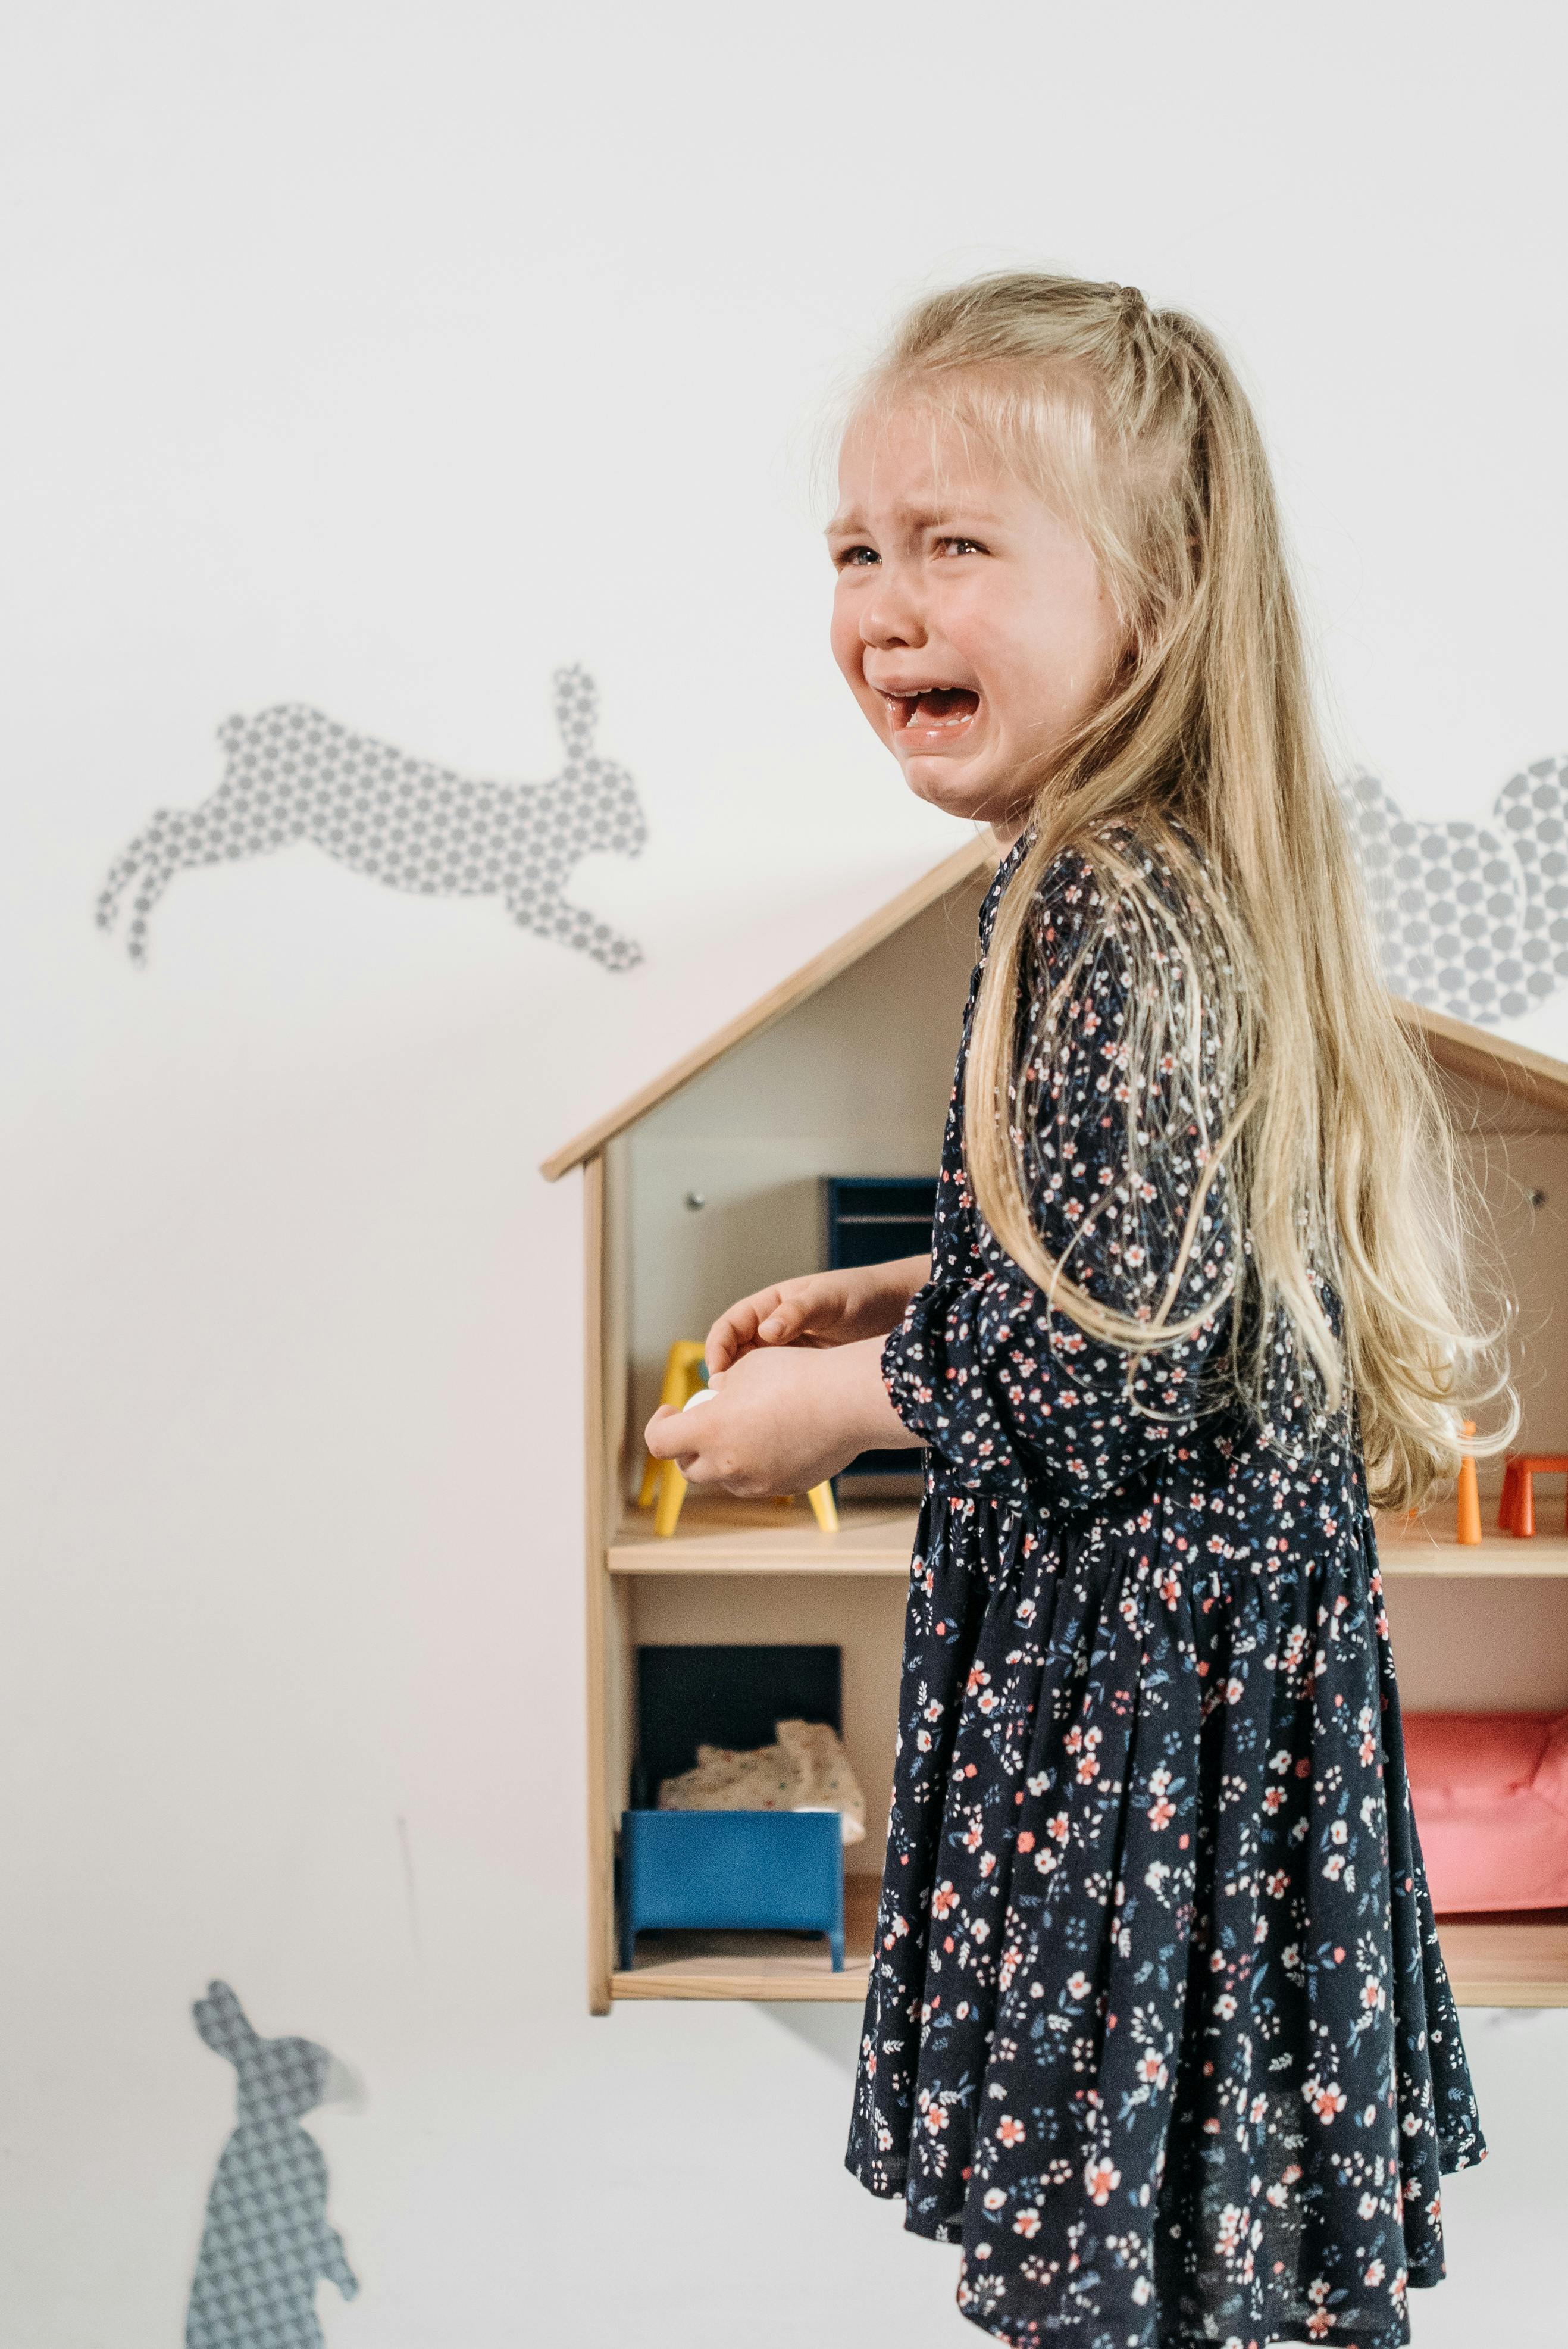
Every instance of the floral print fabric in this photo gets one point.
(1157, 2026)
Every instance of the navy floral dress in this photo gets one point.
(1157, 2025)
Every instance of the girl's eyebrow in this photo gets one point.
(916, 517)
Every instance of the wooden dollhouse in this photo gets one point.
(709, 1182)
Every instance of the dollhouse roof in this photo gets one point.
(1534, 1085)
(977, 857)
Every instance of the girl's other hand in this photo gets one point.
(817, 1309)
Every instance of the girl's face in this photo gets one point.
(969, 619)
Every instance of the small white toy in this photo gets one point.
(703, 1394)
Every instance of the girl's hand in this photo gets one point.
(781, 1420)
(818, 1308)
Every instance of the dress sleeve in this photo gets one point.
(1015, 1398)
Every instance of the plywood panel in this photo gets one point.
(1428, 1544)
(1523, 1180)
(596, 1582)
(862, 1614)
(955, 874)
(717, 1535)
(1520, 1959)
(615, 1363)
(855, 1081)
(1528, 1084)
(1479, 1646)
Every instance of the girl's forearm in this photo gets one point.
(858, 1397)
(898, 1282)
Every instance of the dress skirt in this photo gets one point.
(1157, 2025)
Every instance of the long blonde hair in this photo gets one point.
(1338, 1153)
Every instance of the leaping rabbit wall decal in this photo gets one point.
(1472, 919)
(267, 2242)
(290, 774)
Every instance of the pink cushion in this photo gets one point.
(1490, 1791)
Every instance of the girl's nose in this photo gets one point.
(891, 615)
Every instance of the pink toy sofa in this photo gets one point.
(1490, 1791)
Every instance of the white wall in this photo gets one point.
(383, 357)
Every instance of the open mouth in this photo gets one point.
(941, 711)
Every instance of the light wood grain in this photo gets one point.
(779, 1002)
(1494, 1061)
(601, 1852)
(1516, 1961)
(1427, 1548)
(719, 1536)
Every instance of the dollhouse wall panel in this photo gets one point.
(855, 1081)
(1524, 1178)
(615, 1307)
(762, 1221)
(1479, 1644)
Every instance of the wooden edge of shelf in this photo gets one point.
(875, 1538)
(756, 1989)
(1481, 1992)
(1518, 1958)
(1484, 1057)
(1531, 1987)
(1403, 1554)
(628, 1561)
(601, 1922)
(1430, 1548)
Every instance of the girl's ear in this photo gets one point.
(221, 2020)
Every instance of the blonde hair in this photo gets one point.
(1204, 757)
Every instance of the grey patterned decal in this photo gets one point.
(267, 2242)
(1472, 919)
(292, 774)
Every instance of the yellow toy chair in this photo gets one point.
(683, 1376)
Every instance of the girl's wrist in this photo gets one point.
(861, 1404)
(894, 1283)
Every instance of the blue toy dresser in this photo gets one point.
(781, 1870)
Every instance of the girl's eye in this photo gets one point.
(961, 545)
(856, 558)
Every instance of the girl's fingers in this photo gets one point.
(735, 1332)
(664, 1434)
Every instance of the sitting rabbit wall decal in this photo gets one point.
(267, 2242)
(292, 774)
(1471, 918)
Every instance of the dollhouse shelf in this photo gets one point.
(758, 1965)
(1426, 1546)
(1514, 1961)
(1520, 1959)
(724, 1536)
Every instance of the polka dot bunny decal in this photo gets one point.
(290, 774)
(267, 2242)
(1472, 919)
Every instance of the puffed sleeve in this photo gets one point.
(1015, 1398)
